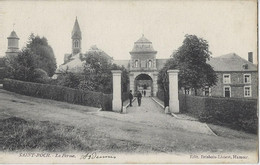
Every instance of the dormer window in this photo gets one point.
(245, 66)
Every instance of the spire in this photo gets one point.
(76, 33)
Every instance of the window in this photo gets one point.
(247, 91)
(227, 91)
(149, 63)
(207, 91)
(247, 78)
(136, 63)
(226, 78)
(76, 43)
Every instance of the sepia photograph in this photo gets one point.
(129, 82)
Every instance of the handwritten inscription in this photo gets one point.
(94, 155)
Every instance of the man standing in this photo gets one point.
(130, 97)
(139, 97)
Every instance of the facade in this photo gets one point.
(237, 77)
(143, 67)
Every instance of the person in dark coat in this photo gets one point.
(144, 93)
(139, 98)
(130, 97)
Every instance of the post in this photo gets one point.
(173, 91)
(117, 102)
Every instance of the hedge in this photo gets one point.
(60, 93)
(237, 113)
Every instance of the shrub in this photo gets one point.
(237, 113)
(60, 93)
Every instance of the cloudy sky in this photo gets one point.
(114, 26)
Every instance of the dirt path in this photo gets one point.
(147, 128)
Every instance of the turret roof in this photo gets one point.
(13, 35)
(143, 40)
(143, 45)
(76, 33)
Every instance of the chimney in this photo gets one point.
(250, 57)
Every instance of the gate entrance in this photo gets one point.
(144, 84)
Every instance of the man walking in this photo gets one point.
(130, 97)
(139, 97)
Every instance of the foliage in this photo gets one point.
(44, 55)
(68, 79)
(190, 59)
(21, 67)
(237, 113)
(60, 93)
(35, 63)
(97, 73)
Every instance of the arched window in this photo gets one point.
(149, 63)
(136, 63)
(76, 43)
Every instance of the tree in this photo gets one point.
(35, 63)
(191, 59)
(21, 67)
(163, 80)
(97, 73)
(44, 56)
(71, 80)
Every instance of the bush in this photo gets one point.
(60, 93)
(237, 113)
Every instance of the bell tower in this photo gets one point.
(76, 38)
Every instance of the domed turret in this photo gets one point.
(143, 56)
(143, 45)
(13, 44)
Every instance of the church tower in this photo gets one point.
(13, 44)
(76, 38)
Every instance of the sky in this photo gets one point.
(114, 26)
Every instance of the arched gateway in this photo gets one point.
(143, 69)
(144, 83)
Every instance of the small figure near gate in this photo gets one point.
(139, 97)
(130, 97)
(144, 93)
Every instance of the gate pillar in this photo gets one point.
(173, 91)
(117, 102)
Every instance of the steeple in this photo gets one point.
(76, 38)
(76, 33)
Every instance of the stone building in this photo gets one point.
(237, 77)
(143, 67)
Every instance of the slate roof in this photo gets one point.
(13, 35)
(231, 62)
(76, 32)
(75, 65)
(143, 45)
(124, 63)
